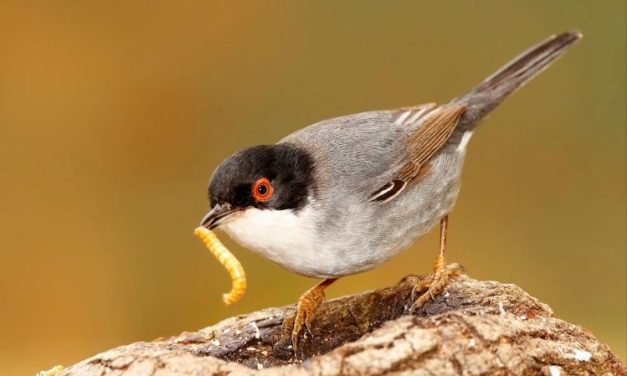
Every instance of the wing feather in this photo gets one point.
(431, 135)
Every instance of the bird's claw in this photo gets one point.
(294, 325)
(303, 317)
(435, 284)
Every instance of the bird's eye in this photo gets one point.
(262, 190)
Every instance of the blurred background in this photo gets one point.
(114, 115)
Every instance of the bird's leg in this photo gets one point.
(305, 311)
(442, 273)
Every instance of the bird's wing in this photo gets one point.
(431, 127)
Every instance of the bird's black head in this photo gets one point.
(266, 177)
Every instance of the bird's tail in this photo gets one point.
(494, 89)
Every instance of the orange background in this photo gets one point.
(114, 114)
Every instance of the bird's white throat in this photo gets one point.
(286, 237)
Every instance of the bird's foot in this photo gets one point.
(434, 284)
(304, 316)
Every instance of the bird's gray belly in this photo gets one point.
(373, 234)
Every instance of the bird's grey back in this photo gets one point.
(354, 153)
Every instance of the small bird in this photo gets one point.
(344, 195)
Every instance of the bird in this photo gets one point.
(346, 194)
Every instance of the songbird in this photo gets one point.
(344, 195)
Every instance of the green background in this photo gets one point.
(114, 114)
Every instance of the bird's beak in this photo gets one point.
(217, 216)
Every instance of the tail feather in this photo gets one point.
(494, 89)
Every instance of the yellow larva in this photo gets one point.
(230, 263)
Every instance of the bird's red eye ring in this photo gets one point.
(262, 190)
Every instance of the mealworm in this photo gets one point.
(230, 263)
